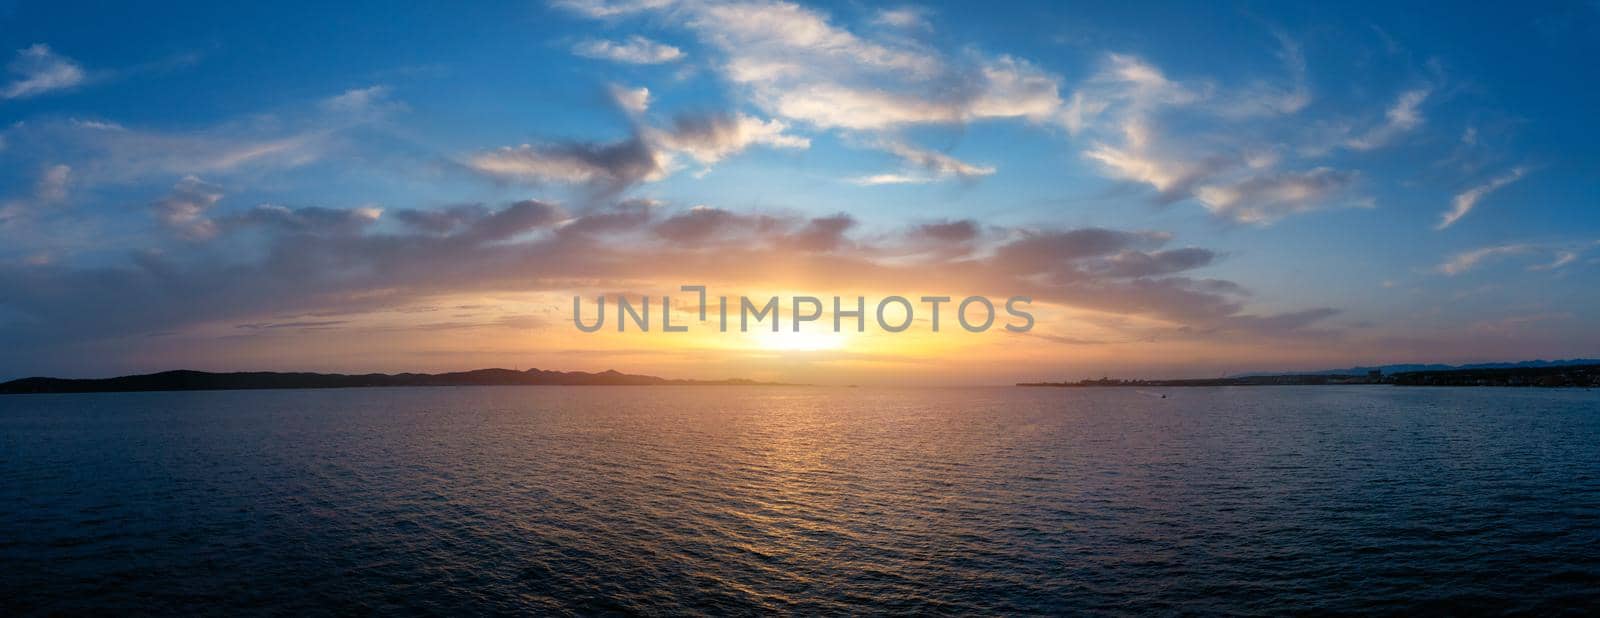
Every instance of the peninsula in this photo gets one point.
(184, 380)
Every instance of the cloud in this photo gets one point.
(965, 230)
(648, 155)
(1466, 200)
(905, 17)
(891, 179)
(708, 138)
(1173, 178)
(1142, 264)
(1126, 97)
(49, 188)
(1559, 255)
(706, 226)
(329, 261)
(614, 166)
(1140, 83)
(312, 220)
(927, 166)
(439, 221)
(936, 241)
(307, 324)
(52, 183)
(1269, 98)
(610, 8)
(1468, 260)
(798, 65)
(937, 163)
(635, 50)
(795, 64)
(1264, 198)
(1036, 252)
(1401, 118)
(363, 101)
(1223, 147)
(634, 101)
(823, 233)
(703, 225)
(184, 210)
(519, 218)
(38, 70)
(1562, 258)
(103, 152)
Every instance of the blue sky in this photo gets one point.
(1379, 181)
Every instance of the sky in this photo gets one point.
(1182, 189)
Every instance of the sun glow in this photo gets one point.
(790, 341)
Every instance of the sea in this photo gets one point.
(712, 500)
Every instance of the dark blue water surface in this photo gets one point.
(668, 500)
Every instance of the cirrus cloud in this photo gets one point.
(634, 50)
(37, 70)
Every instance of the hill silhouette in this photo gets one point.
(185, 380)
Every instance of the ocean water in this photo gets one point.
(734, 500)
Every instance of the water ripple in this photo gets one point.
(581, 501)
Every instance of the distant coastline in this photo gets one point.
(184, 380)
(1559, 376)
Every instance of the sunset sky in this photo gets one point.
(1185, 191)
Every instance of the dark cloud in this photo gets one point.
(319, 324)
(623, 217)
(702, 225)
(318, 261)
(309, 220)
(1142, 264)
(518, 218)
(611, 167)
(442, 220)
(1048, 250)
(823, 233)
(965, 230)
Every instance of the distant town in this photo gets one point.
(1568, 376)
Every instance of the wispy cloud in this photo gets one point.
(635, 50)
(52, 184)
(49, 188)
(906, 17)
(1264, 198)
(611, 8)
(1468, 260)
(892, 179)
(1123, 109)
(648, 155)
(1402, 117)
(1557, 256)
(1466, 200)
(185, 209)
(929, 166)
(38, 70)
(104, 152)
(368, 101)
